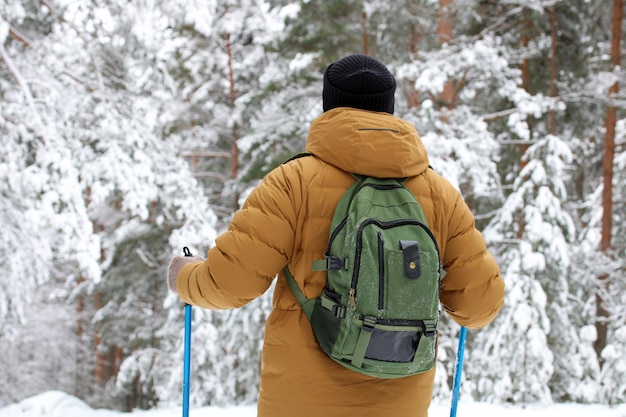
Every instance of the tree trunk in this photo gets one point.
(526, 26)
(80, 331)
(412, 95)
(234, 167)
(525, 69)
(602, 313)
(553, 73)
(525, 66)
(444, 31)
(366, 36)
(445, 35)
(99, 378)
(118, 358)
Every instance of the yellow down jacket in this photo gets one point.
(286, 221)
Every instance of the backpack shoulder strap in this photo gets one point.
(307, 304)
(299, 155)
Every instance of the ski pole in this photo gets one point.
(187, 350)
(458, 370)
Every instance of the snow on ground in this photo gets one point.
(60, 404)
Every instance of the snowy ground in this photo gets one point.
(59, 404)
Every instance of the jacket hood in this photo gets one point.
(368, 143)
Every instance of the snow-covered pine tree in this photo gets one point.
(89, 168)
(599, 300)
(532, 341)
(613, 385)
(609, 370)
(215, 72)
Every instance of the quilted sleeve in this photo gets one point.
(247, 257)
(472, 292)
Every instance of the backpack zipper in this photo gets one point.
(359, 247)
(394, 322)
(381, 272)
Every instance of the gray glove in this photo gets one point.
(176, 264)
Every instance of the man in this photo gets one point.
(286, 221)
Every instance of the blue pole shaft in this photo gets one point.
(187, 360)
(458, 370)
(187, 350)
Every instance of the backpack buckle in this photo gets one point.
(369, 323)
(330, 263)
(429, 328)
(338, 311)
(336, 264)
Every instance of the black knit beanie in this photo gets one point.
(361, 82)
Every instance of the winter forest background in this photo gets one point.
(130, 129)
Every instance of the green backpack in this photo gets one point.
(379, 310)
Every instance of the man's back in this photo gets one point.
(296, 374)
